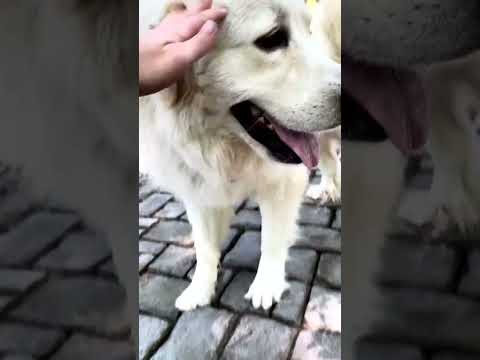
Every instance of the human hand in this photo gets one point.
(168, 50)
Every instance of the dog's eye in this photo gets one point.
(276, 39)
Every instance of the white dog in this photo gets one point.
(234, 128)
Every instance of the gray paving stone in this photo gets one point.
(337, 223)
(80, 302)
(17, 280)
(81, 347)
(77, 252)
(227, 244)
(251, 205)
(145, 222)
(330, 269)
(144, 260)
(317, 345)
(224, 278)
(108, 268)
(301, 264)
(13, 206)
(319, 239)
(366, 350)
(470, 284)
(315, 215)
(28, 239)
(149, 247)
(248, 219)
(290, 308)
(414, 263)
(172, 210)
(152, 332)
(421, 181)
(233, 297)
(173, 232)
(18, 357)
(434, 315)
(152, 204)
(174, 261)
(246, 252)
(454, 355)
(257, 338)
(23, 339)
(323, 311)
(239, 206)
(197, 335)
(157, 295)
(4, 301)
(146, 190)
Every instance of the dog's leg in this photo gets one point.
(279, 206)
(209, 228)
(449, 202)
(329, 189)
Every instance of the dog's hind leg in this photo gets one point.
(209, 228)
(279, 206)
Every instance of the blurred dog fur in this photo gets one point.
(68, 77)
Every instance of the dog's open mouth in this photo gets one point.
(394, 99)
(284, 145)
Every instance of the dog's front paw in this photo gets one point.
(325, 192)
(195, 295)
(266, 289)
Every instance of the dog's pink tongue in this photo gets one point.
(394, 98)
(305, 145)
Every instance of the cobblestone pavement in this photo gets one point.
(431, 289)
(305, 325)
(59, 298)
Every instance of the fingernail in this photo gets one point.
(210, 27)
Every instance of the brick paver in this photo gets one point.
(230, 328)
(59, 298)
(430, 292)
(431, 289)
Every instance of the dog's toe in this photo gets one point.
(192, 297)
(264, 293)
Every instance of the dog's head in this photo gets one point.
(270, 80)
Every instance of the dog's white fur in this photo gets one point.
(326, 28)
(195, 148)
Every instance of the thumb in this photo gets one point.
(199, 45)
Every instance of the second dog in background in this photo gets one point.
(326, 30)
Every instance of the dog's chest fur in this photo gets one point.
(196, 155)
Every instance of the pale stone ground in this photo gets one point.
(305, 325)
